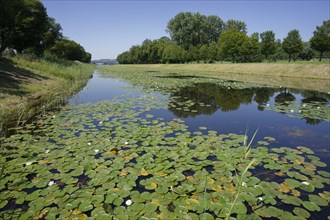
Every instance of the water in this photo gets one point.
(229, 110)
(97, 153)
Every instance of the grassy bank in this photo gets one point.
(310, 76)
(31, 87)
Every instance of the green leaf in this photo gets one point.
(311, 206)
(301, 212)
(318, 200)
(85, 206)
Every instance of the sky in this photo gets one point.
(106, 28)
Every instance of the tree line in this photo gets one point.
(26, 28)
(198, 38)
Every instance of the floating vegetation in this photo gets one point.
(115, 160)
(193, 94)
(314, 112)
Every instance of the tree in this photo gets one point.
(268, 44)
(8, 21)
(32, 24)
(215, 27)
(173, 54)
(235, 25)
(307, 52)
(321, 38)
(70, 50)
(251, 49)
(292, 44)
(194, 29)
(231, 44)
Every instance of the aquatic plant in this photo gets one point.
(141, 166)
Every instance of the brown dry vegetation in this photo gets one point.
(310, 76)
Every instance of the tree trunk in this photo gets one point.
(321, 54)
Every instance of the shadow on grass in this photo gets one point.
(12, 78)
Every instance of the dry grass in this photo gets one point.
(299, 70)
(310, 76)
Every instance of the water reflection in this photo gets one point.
(207, 98)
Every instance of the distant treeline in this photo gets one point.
(26, 28)
(198, 38)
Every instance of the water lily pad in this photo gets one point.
(311, 206)
(85, 206)
(292, 183)
(301, 212)
(318, 200)
(206, 216)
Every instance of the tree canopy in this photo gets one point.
(321, 38)
(268, 44)
(188, 28)
(292, 44)
(198, 38)
(26, 27)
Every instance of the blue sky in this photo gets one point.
(109, 27)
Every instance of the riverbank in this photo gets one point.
(32, 87)
(311, 76)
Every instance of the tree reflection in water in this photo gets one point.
(207, 98)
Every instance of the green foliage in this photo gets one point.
(232, 24)
(196, 37)
(268, 44)
(251, 49)
(30, 27)
(8, 21)
(292, 44)
(231, 44)
(307, 52)
(188, 28)
(69, 50)
(173, 54)
(26, 27)
(321, 38)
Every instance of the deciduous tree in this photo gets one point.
(292, 44)
(267, 44)
(231, 44)
(321, 38)
(236, 25)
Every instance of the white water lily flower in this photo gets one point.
(96, 151)
(126, 143)
(54, 116)
(128, 202)
(244, 184)
(305, 183)
(260, 198)
(51, 183)
(291, 110)
(89, 143)
(47, 151)
(29, 163)
(318, 107)
(101, 122)
(267, 105)
(304, 105)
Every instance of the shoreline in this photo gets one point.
(314, 76)
(30, 88)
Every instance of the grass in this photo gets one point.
(31, 87)
(311, 76)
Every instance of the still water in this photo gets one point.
(96, 159)
(228, 110)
